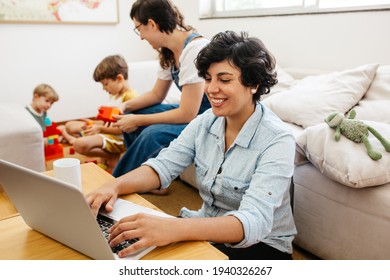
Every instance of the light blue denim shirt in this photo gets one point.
(250, 181)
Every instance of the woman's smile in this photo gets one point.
(217, 101)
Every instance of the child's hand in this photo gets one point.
(92, 129)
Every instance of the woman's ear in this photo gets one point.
(254, 89)
(153, 24)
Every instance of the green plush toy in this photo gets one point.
(356, 131)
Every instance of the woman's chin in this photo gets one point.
(217, 111)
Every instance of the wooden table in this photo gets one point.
(20, 242)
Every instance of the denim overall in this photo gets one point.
(147, 142)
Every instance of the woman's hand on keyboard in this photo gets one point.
(151, 230)
(105, 195)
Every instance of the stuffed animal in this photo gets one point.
(356, 131)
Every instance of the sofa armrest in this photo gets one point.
(21, 137)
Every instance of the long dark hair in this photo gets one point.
(249, 54)
(166, 15)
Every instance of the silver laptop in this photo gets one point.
(60, 211)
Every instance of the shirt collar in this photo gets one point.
(247, 132)
(34, 111)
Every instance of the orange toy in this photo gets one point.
(105, 113)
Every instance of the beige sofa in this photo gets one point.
(341, 196)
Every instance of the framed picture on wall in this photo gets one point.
(59, 11)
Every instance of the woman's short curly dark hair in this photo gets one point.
(256, 63)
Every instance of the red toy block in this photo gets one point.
(105, 113)
(53, 149)
(51, 128)
(71, 151)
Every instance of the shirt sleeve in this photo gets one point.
(128, 95)
(265, 204)
(188, 72)
(164, 74)
(172, 160)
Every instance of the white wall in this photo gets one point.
(327, 41)
(66, 55)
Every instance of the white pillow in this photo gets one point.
(345, 161)
(375, 104)
(313, 98)
(285, 80)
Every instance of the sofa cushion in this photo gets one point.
(377, 98)
(345, 161)
(308, 101)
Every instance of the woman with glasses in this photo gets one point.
(147, 125)
(244, 161)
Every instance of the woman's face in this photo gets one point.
(227, 96)
(147, 32)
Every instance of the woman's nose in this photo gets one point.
(212, 87)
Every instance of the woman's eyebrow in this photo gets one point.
(220, 74)
(224, 73)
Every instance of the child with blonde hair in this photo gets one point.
(43, 98)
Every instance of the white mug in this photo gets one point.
(68, 170)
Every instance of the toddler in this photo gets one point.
(43, 98)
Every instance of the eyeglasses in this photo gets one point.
(136, 29)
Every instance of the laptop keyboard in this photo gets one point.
(105, 224)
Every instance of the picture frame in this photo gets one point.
(59, 11)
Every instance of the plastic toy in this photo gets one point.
(356, 131)
(53, 149)
(51, 128)
(106, 112)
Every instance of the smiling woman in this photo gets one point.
(148, 125)
(235, 83)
